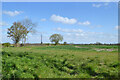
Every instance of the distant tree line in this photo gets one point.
(48, 44)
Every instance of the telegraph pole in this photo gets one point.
(41, 39)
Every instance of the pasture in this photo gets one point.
(61, 61)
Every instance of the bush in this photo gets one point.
(6, 44)
(47, 44)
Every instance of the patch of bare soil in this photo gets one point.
(98, 49)
(105, 49)
(80, 47)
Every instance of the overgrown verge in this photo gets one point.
(28, 65)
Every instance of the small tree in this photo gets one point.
(98, 43)
(65, 43)
(56, 38)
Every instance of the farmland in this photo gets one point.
(60, 61)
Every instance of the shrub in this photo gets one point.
(6, 44)
(11, 45)
(47, 44)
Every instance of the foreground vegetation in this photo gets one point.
(68, 61)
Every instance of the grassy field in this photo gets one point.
(65, 61)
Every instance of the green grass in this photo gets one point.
(60, 62)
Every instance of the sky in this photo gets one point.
(77, 22)
(60, 0)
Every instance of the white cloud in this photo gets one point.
(79, 34)
(117, 27)
(95, 26)
(43, 19)
(64, 20)
(3, 24)
(105, 4)
(5, 39)
(68, 34)
(84, 23)
(12, 13)
(97, 5)
(100, 5)
(69, 30)
(91, 37)
(76, 35)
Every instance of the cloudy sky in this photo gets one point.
(80, 22)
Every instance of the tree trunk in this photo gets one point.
(56, 43)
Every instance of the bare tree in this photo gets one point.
(29, 25)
